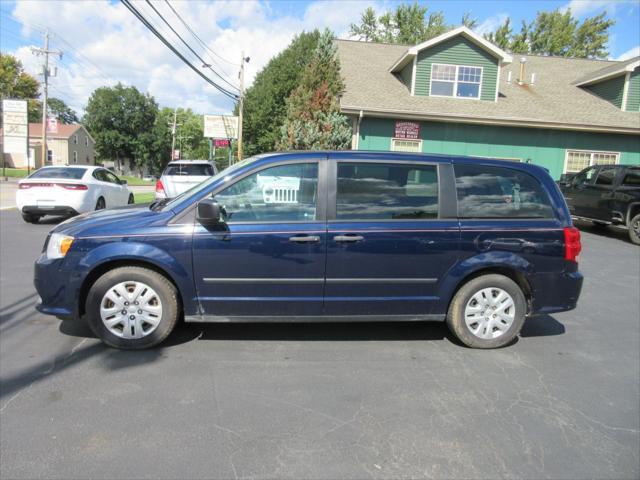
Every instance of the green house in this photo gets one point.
(459, 94)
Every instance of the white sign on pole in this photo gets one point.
(15, 127)
(220, 126)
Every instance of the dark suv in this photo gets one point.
(324, 236)
(606, 195)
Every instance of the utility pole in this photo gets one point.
(46, 73)
(173, 132)
(241, 106)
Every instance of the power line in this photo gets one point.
(204, 63)
(144, 21)
(197, 37)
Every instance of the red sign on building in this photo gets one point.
(409, 130)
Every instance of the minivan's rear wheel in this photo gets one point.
(634, 230)
(487, 312)
(132, 308)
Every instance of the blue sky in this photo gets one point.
(104, 44)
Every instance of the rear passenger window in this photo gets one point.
(632, 178)
(496, 192)
(380, 191)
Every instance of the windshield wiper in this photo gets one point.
(158, 204)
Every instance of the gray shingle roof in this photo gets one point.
(552, 102)
(608, 71)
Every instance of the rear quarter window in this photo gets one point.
(497, 192)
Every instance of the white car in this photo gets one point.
(69, 190)
(180, 175)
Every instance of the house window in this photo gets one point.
(75, 139)
(577, 160)
(75, 157)
(404, 145)
(49, 157)
(455, 81)
(86, 141)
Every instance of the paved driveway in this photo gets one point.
(323, 401)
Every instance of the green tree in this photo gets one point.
(407, 24)
(16, 83)
(313, 119)
(557, 33)
(502, 36)
(61, 111)
(122, 120)
(265, 101)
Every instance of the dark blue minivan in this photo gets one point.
(324, 236)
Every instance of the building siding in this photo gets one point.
(543, 147)
(406, 75)
(611, 90)
(457, 51)
(633, 94)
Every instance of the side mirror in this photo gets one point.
(209, 212)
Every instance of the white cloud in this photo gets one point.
(584, 7)
(107, 44)
(632, 52)
(491, 23)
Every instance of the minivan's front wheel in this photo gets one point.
(487, 312)
(132, 308)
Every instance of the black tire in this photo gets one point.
(131, 199)
(30, 217)
(600, 225)
(456, 320)
(634, 230)
(165, 291)
(101, 204)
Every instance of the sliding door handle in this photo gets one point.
(305, 239)
(348, 238)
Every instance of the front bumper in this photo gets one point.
(59, 288)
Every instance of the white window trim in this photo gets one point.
(592, 153)
(455, 82)
(413, 75)
(394, 139)
(497, 81)
(625, 91)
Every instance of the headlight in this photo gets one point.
(59, 245)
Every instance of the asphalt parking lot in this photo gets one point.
(324, 400)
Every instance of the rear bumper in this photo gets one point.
(53, 210)
(554, 292)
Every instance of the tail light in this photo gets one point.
(159, 187)
(572, 245)
(26, 186)
(67, 186)
(73, 186)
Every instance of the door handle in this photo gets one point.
(305, 239)
(348, 238)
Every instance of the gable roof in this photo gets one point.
(553, 102)
(610, 71)
(463, 31)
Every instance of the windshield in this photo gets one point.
(204, 185)
(59, 172)
(194, 169)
